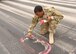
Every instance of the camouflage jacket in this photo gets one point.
(55, 15)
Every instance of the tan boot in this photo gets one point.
(51, 38)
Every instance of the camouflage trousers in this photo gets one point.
(49, 27)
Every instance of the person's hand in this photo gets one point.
(50, 18)
(29, 34)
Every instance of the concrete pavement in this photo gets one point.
(15, 18)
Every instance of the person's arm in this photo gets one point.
(53, 14)
(33, 24)
(57, 15)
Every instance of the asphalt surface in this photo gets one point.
(15, 18)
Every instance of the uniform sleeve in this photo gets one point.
(57, 15)
(55, 19)
(33, 24)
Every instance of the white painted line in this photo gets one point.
(14, 10)
(20, 5)
(58, 7)
(4, 48)
(58, 3)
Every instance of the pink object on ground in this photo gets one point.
(22, 40)
(44, 43)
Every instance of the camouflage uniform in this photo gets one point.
(50, 25)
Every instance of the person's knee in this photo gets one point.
(51, 31)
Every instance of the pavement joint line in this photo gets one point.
(21, 5)
(10, 10)
(5, 49)
(14, 21)
(58, 7)
(32, 14)
(61, 4)
(65, 2)
(37, 33)
(61, 44)
(17, 11)
(9, 22)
